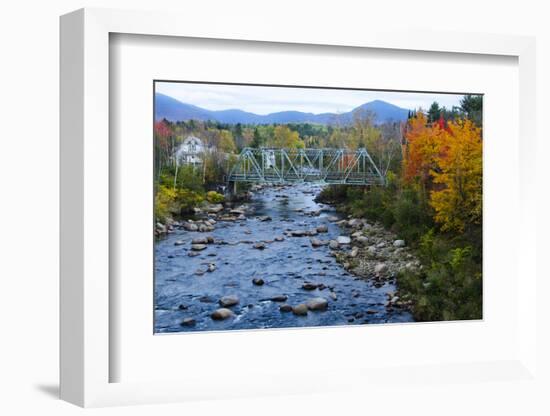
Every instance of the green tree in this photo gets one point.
(257, 140)
(472, 106)
(434, 113)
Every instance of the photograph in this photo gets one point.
(301, 206)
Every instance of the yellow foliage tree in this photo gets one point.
(226, 142)
(459, 172)
(286, 138)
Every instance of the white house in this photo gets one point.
(190, 151)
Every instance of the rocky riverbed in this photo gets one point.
(277, 260)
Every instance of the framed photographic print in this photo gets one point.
(296, 206)
(279, 204)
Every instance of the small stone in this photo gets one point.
(317, 304)
(199, 240)
(182, 307)
(199, 272)
(298, 233)
(285, 307)
(342, 239)
(229, 300)
(259, 246)
(279, 298)
(399, 243)
(333, 219)
(355, 223)
(333, 296)
(179, 243)
(333, 244)
(354, 252)
(198, 247)
(188, 322)
(309, 286)
(211, 267)
(279, 238)
(264, 218)
(363, 240)
(221, 314)
(258, 281)
(193, 254)
(322, 229)
(300, 309)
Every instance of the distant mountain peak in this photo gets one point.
(172, 109)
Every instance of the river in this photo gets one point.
(284, 266)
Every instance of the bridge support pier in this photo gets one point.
(232, 188)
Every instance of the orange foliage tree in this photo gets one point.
(423, 146)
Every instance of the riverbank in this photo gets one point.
(274, 261)
(443, 280)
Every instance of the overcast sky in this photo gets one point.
(265, 100)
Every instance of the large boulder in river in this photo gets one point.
(229, 300)
(316, 242)
(285, 307)
(199, 240)
(300, 309)
(189, 226)
(343, 239)
(322, 229)
(221, 314)
(317, 304)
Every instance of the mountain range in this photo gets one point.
(171, 109)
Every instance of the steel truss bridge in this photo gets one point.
(284, 166)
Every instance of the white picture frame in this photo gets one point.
(85, 220)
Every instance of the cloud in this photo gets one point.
(265, 100)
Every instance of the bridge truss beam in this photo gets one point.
(330, 166)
